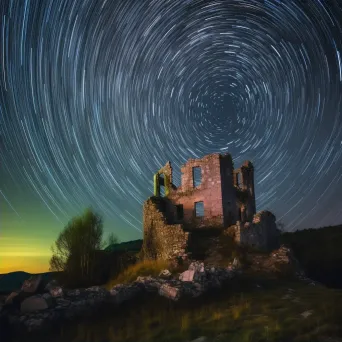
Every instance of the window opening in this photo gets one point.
(197, 176)
(199, 209)
(162, 185)
(180, 211)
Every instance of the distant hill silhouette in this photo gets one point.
(319, 251)
(13, 281)
(129, 246)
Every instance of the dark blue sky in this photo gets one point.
(96, 95)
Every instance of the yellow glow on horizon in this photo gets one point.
(24, 254)
(11, 246)
(30, 264)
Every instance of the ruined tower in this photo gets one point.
(212, 194)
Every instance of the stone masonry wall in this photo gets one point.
(209, 191)
(262, 233)
(230, 212)
(247, 171)
(161, 240)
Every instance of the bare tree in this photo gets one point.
(112, 239)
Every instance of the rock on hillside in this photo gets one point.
(41, 311)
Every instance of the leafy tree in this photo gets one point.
(75, 249)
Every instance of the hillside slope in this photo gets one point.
(319, 252)
(12, 281)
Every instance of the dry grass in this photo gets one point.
(253, 307)
(143, 268)
(241, 312)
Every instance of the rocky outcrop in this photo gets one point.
(40, 312)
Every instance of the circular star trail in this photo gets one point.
(97, 95)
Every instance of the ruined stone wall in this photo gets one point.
(161, 240)
(247, 171)
(209, 191)
(262, 233)
(166, 170)
(230, 213)
(243, 180)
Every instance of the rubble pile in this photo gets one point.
(32, 311)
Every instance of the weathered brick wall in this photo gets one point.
(209, 191)
(161, 240)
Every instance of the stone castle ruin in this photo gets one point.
(212, 197)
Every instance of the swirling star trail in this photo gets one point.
(97, 95)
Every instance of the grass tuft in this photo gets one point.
(143, 268)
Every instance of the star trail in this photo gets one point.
(96, 95)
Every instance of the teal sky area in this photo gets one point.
(25, 240)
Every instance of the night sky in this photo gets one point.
(97, 95)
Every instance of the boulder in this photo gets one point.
(56, 292)
(306, 313)
(166, 274)
(31, 285)
(35, 303)
(187, 275)
(41, 311)
(149, 284)
(97, 292)
(236, 263)
(198, 268)
(169, 291)
(73, 293)
(9, 299)
(51, 285)
(15, 299)
(121, 293)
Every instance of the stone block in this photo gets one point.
(34, 303)
(165, 274)
(31, 285)
(187, 275)
(10, 297)
(169, 291)
(56, 292)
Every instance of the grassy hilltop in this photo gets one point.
(253, 307)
